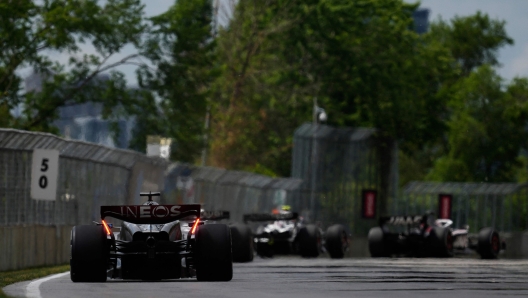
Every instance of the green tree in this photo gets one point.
(31, 30)
(258, 99)
(181, 48)
(487, 129)
(375, 71)
(473, 40)
(361, 60)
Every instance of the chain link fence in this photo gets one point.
(235, 191)
(90, 175)
(336, 165)
(503, 206)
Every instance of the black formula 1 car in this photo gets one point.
(150, 245)
(426, 236)
(286, 233)
(241, 235)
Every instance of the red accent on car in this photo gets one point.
(195, 225)
(107, 228)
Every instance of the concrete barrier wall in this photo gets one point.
(32, 246)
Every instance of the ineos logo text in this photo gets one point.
(150, 211)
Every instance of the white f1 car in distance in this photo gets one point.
(287, 233)
(150, 245)
(426, 236)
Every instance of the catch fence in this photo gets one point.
(89, 175)
(503, 206)
(234, 191)
(336, 166)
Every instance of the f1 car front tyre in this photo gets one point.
(309, 241)
(441, 242)
(489, 244)
(377, 245)
(89, 254)
(212, 256)
(242, 242)
(336, 241)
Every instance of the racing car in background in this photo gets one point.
(426, 236)
(286, 233)
(150, 245)
(241, 235)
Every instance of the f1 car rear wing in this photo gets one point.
(150, 214)
(404, 220)
(214, 215)
(270, 217)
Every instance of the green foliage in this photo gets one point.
(258, 99)
(360, 59)
(487, 129)
(473, 40)
(30, 30)
(374, 71)
(181, 49)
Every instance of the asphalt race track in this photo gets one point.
(295, 277)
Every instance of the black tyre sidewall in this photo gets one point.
(376, 242)
(89, 254)
(212, 253)
(439, 242)
(485, 245)
(334, 241)
(308, 240)
(242, 243)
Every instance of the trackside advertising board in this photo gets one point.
(445, 203)
(369, 198)
(44, 173)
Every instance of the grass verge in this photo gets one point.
(11, 277)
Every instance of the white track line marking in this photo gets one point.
(32, 289)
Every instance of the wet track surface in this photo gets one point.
(322, 277)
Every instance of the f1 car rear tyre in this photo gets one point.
(89, 254)
(489, 244)
(441, 242)
(336, 241)
(212, 255)
(242, 243)
(309, 241)
(377, 246)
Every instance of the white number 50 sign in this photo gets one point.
(44, 172)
